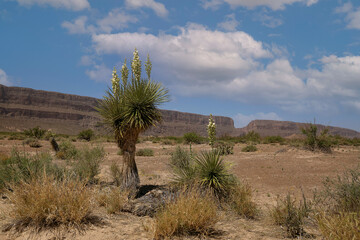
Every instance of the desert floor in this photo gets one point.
(272, 171)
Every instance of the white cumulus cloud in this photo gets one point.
(352, 15)
(273, 4)
(229, 24)
(100, 73)
(4, 79)
(74, 5)
(157, 7)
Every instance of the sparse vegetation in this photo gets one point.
(274, 139)
(35, 132)
(241, 201)
(190, 213)
(249, 148)
(116, 174)
(289, 214)
(192, 137)
(67, 150)
(113, 199)
(224, 148)
(148, 152)
(315, 141)
(87, 135)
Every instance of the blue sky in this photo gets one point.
(295, 60)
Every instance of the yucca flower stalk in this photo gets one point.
(211, 129)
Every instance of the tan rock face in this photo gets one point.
(23, 108)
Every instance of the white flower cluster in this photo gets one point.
(211, 129)
(115, 81)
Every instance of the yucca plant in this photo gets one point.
(129, 108)
(213, 173)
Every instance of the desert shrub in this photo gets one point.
(113, 199)
(342, 194)
(213, 174)
(67, 150)
(32, 142)
(241, 201)
(116, 174)
(87, 135)
(46, 202)
(342, 226)
(183, 167)
(290, 215)
(224, 148)
(35, 132)
(315, 141)
(252, 137)
(22, 167)
(190, 213)
(87, 163)
(148, 152)
(192, 137)
(249, 148)
(3, 157)
(274, 139)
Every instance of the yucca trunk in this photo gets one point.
(130, 175)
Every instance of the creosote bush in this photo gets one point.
(274, 139)
(35, 132)
(192, 137)
(87, 163)
(315, 141)
(148, 152)
(190, 213)
(67, 150)
(46, 202)
(87, 135)
(249, 148)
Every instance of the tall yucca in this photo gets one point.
(129, 108)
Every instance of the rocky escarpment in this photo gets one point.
(22, 108)
(287, 128)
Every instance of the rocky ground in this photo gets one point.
(274, 170)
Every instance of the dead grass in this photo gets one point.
(343, 226)
(45, 202)
(113, 199)
(190, 213)
(241, 201)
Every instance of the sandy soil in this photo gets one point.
(274, 170)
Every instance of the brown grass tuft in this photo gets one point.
(45, 202)
(241, 201)
(113, 199)
(190, 213)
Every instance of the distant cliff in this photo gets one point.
(23, 108)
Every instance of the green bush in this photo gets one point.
(287, 214)
(23, 167)
(252, 137)
(35, 132)
(274, 139)
(87, 135)
(183, 167)
(32, 142)
(67, 150)
(147, 152)
(87, 163)
(192, 137)
(249, 148)
(224, 148)
(314, 141)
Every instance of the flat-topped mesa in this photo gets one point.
(287, 128)
(23, 108)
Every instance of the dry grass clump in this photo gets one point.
(190, 213)
(339, 215)
(113, 199)
(45, 202)
(240, 200)
(342, 226)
